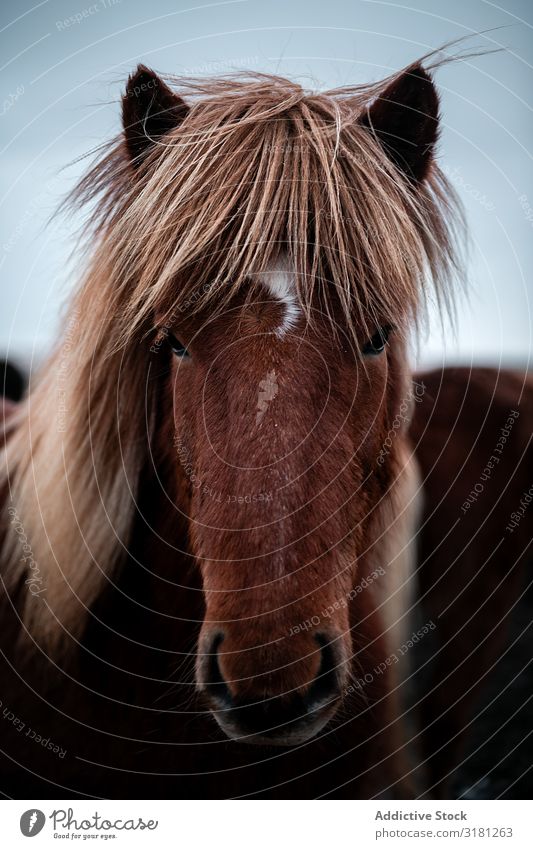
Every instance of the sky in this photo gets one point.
(64, 66)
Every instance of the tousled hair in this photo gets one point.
(258, 166)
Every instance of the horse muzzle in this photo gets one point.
(251, 711)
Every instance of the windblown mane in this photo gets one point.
(258, 165)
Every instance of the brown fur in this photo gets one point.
(472, 566)
(251, 170)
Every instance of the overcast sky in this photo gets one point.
(60, 88)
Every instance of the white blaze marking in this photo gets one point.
(281, 284)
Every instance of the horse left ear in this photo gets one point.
(149, 110)
(405, 120)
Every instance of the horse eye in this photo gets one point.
(177, 348)
(376, 345)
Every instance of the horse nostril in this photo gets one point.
(326, 686)
(215, 684)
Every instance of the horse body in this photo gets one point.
(472, 436)
(207, 534)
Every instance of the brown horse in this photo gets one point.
(472, 434)
(210, 499)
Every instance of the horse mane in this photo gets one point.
(257, 166)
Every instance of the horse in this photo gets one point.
(210, 497)
(472, 434)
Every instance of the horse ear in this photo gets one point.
(149, 110)
(405, 120)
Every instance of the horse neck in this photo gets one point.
(390, 563)
(160, 572)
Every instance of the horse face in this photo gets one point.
(278, 424)
(278, 421)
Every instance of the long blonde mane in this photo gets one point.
(258, 164)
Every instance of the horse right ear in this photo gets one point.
(150, 109)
